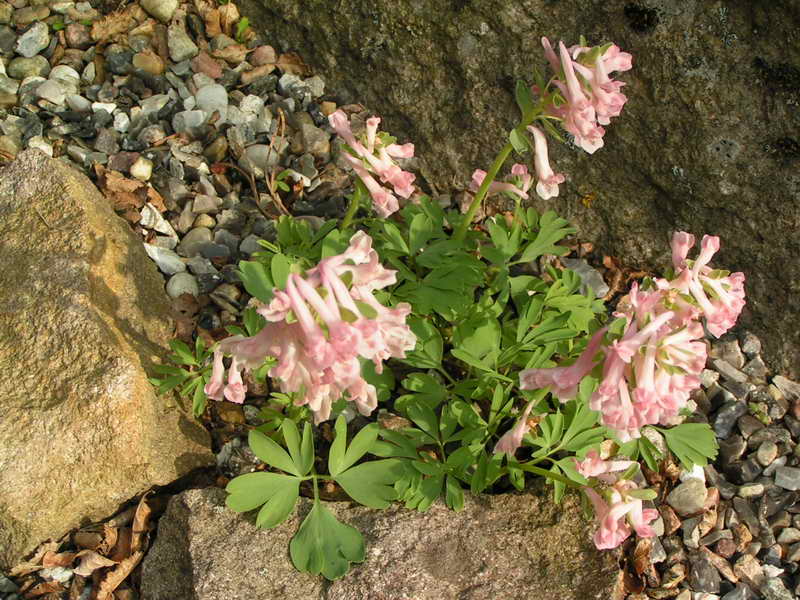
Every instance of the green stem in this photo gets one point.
(461, 232)
(446, 375)
(316, 488)
(355, 200)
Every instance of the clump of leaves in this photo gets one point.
(188, 374)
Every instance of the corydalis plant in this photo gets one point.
(651, 370)
(317, 329)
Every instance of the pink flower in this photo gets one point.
(213, 389)
(497, 187)
(620, 513)
(563, 381)
(594, 466)
(580, 117)
(372, 159)
(547, 187)
(318, 354)
(512, 439)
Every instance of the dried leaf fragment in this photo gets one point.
(115, 577)
(90, 562)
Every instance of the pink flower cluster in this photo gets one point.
(617, 510)
(374, 159)
(317, 329)
(591, 96)
(520, 181)
(649, 373)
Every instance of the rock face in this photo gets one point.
(82, 316)
(508, 546)
(707, 143)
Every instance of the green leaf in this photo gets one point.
(454, 495)
(280, 266)
(384, 382)
(184, 355)
(323, 545)
(428, 352)
(257, 281)
(424, 417)
(394, 239)
(524, 98)
(241, 27)
(372, 483)
(253, 322)
(271, 453)
(291, 437)
(693, 443)
(306, 449)
(552, 229)
(519, 141)
(479, 336)
(643, 494)
(199, 401)
(419, 232)
(247, 492)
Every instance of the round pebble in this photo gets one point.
(182, 283)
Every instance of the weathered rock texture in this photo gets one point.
(82, 316)
(708, 141)
(509, 546)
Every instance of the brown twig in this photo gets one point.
(273, 192)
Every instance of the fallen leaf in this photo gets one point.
(641, 555)
(122, 549)
(76, 588)
(115, 577)
(62, 559)
(113, 25)
(124, 594)
(292, 63)
(110, 536)
(154, 198)
(186, 305)
(228, 17)
(213, 27)
(123, 518)
(233, 54)
(48, 587)
(141, 525)
(88, 540)
(90, 562)
(35, 562)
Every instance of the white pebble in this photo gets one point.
(109, 107)
(121, 121)
(142, 169)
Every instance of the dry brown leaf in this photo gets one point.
(113, 25)
(154, 198)
(76, 588)
(115, 577)
(90, 562)
(62, 559)
(48, 587)
(233, 54)
(110, 536)
(87, 540)
(123, 518)
(141, 525)
(228, 18)
(122, 549)
(123, 193)
(213, 27)
(124, 594)
(35, 563)
(292, 63)
(641, 555)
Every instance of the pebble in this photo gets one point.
(182, 283)
(688, 498)
(787, 478)
(51, 91)
(774, 589)
(167, 261)
(34, 40)
(213, 97)
(727, 416)
(142, 169)
(21, 68)
(751, 490)
(204, 203)
(194, 240)
(181, 46)
(160, 9)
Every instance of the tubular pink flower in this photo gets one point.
(235, 388)
(213, 389)
(547, 187)
(581, 119)
(615, 59)
(380, 161)
(496, 187)
(682, 242)
(564, 381)
(550, 54)
(512, 439)
(594, 466)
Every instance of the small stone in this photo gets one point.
(703, 577)
(789, 388)
(149, 62)
(728, 371)
(22, 68)
(727, 416)
(767, 452)
(726, 548)
(182, 283)
(59, 574)
(153, 219)
(203, 63)
(106, 141)
(108, 107)
(7, 586)
(212, 98)
(729, 351)
(194, 240)
(167, 261)
(142, 169)
(251, 104)
(8, 85)
(788, 478)
(263, 55)
(774, 589)
(33, 41)
(39, 143)
(217, 150)
(188, 120)
(52, 92)
(316, 85)
(732, 448)
(204, 203)
(119, 59)
(160, 9)
(122, 121)
(6, 11)
(688, 498)
(793, 554)
(181, 46)
(205, 220)
(751, 490)
(749, 570)
(748, 425)
(250, 245)
(77, 36)
(789, 535)
(756, 370)
(691, 533)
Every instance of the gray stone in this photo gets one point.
(250, 245)
(788, 478)
(774, 589)
(193, 241)
(21, 68)
(160, 9)
(7, 586)
(212, 98)
(206, 204)
(78, 103)
(430, 58)
(259, 159)
(703, 576)
(68, 77)
(181, 46)
(33, 41)
(727, 416)
(728, 371)
(767, 452)
(510, 538)
(740, 592)
(789, 535)
(52, 91)
(153, 219)
(751, 490)
(83, 280)
(790, 389)
(688, 497)
(153, 104)
(188, 120)
(8, 85)
(201, 266)
(182, 283)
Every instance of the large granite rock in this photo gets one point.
(82, 316)
(708, 141)
(508, 546)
